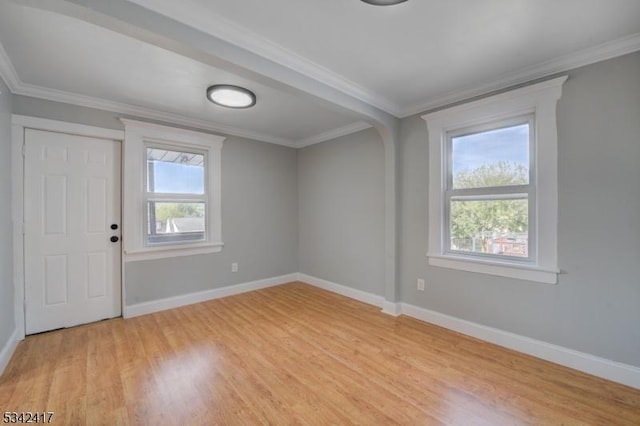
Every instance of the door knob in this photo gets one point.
(114, 226)
(114, 239)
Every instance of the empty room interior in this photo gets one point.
(320, 212)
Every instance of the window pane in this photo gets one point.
(498, 157)
(174, 172)
(175, 221)
(498, 227)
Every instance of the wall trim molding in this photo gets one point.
(66, 127)
(618, 372)
(7, 71)
(352, 293)
(131, 311)
(334, 133)
(18, 87)
(8, 350)
(590, 55)
(601, 52)
(392, 308)
(146, 113)
(601, 367)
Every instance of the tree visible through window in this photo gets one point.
(493, 184)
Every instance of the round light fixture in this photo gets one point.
(383, 2)
(231, 96)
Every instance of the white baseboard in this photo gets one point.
(352, 293)
(8, 350)
(615, 371)
(392, 308)
(601, 367)
(145, 308)
(591, 364)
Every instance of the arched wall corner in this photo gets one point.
(389, 131)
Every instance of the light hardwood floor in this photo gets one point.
(294, 354)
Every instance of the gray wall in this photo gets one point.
(595, 308)
(259, 214)
(341, 211)
(7, 323)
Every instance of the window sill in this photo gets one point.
(151, 253)
(501, 269)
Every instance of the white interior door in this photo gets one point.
(71, 202)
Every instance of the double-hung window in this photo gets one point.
(493, 184)
(172, 192)
(490, 191)
(175, 195)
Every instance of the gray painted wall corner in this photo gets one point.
(7, 320)
(342, 211)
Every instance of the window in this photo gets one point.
(172, 189)
(488, 190)
(175, 196)
(493, 184)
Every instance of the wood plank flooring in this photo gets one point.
(295, 354)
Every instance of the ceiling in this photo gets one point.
(345, 56)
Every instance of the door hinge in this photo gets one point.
(24, 149)
(24, 228)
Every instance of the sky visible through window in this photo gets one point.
(509, 144)
(178, 178)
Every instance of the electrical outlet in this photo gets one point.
(420, 284)
(234, 267)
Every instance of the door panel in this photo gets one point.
(72, 196)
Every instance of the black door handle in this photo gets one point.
(114, 226)
(114, 239)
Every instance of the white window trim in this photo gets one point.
(540, 100)
(137, 135)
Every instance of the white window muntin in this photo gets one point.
(527, 192)
(174, 197)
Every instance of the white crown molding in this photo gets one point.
(334, 133)
(8, 72)
(142, 112)
(259, 45)
(201, 19)
(18, 87)
(591, 55)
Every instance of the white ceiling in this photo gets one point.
(402, 59)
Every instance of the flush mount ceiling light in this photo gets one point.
(230, 96)
(383, 2)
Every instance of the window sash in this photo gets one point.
(492, 193)
(151, 239)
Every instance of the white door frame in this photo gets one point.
(19, 124)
